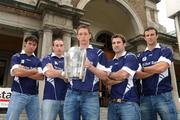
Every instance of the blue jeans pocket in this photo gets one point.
(166, 97)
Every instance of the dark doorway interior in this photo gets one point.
(8, 46)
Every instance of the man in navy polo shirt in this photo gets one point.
(156, 97)
(82, 96)
(26, 71)
(123, 93)
(55, 86)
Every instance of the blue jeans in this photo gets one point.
(83, 103)
(19, 102)
(161, 104)
(123, 111)
(51, 108)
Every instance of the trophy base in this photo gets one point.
(76, 78)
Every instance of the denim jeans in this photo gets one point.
(83, 104)
(123, 111)
(51, 108)
(161, 104)
(19, 102)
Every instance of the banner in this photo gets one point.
(5, 94)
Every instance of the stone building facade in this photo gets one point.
(51, 18)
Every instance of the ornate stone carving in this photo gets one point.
(31, 2)
(57, 21)
(63, 2)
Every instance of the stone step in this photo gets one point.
(22, 116)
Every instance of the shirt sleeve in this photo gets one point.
(102, 61)
(166, 55)
(139, 57)
(130, 64)
(39, 67)
(45, 61)
(15, 61)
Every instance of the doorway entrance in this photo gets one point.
(105, 37)
(9, 45)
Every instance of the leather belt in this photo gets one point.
(118, 100)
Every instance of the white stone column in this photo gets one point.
(177, 25)
(46, 42)
(156, 16)
(67, 40)
(174, 84)
(148, 14)
(39, 51)
(45, 49)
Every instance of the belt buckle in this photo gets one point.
(119, 100)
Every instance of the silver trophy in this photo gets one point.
(74, 63)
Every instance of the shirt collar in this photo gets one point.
(157, 46)
(23, 52)
(123, 54)
(53, 54)
(90, 46)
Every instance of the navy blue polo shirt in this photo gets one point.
(97, 58)
(24, 84)
(157, 83)
(126, 89)
(55, 88)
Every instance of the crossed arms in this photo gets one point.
(21, 71)
(150, 70)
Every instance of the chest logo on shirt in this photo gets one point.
(55, 63)
(22, 62)
(150, 55)
(144, 58)
(28, 60)
(116, 63)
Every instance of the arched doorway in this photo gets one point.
(112, 15)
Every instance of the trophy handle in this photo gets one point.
(82, 70)
(65, 65)
(83, 79)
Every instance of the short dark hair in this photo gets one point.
(119, 36)
(58, 38)
(83, 26)
(31, 38)
(150, 28)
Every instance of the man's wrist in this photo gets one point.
(110, 75)
(90, 66)
(61, 73)
(142, 69)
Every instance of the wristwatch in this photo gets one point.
(62, 73)
(142, 69)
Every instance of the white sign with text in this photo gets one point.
(5, 94)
